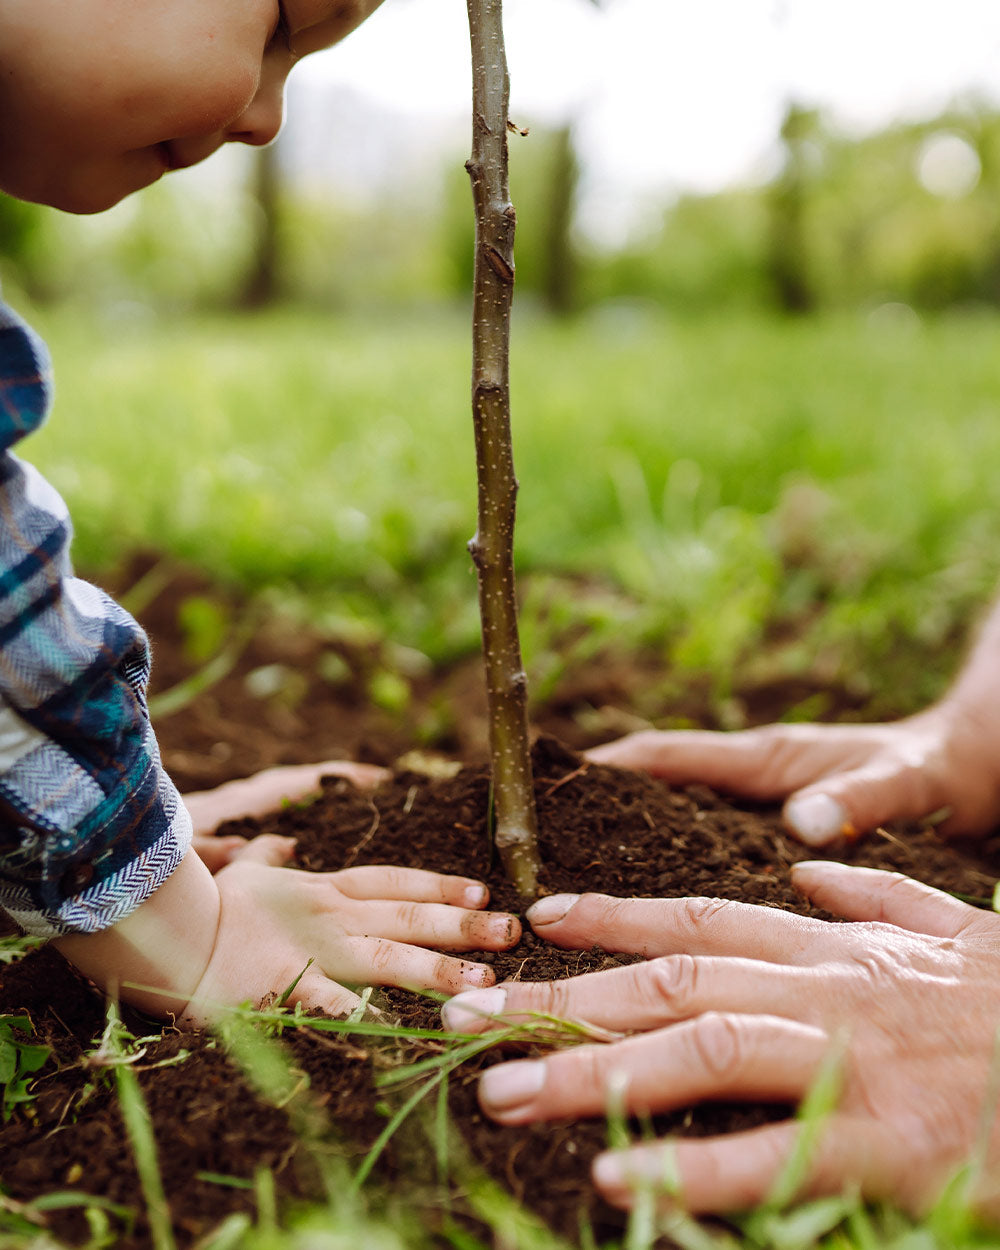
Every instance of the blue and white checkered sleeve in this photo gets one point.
(90, 825)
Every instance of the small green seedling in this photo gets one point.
(14, 948)
(19, 1061)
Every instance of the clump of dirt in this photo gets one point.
(602, 829)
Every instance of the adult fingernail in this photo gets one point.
(471, 1007)
(608, 1172)
(510, 1085)
(817, 818)
(549, 910)
(475, 895)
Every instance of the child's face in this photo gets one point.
(99, 98)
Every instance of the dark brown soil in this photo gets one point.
(601, 829)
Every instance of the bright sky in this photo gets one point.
(670, 95)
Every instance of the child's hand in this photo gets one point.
(362, 926)
(266, 791)
(203, 943)
(254, 796)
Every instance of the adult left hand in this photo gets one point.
(744, 1002)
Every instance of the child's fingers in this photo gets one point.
(270, 849)
(364, 776)
(216, 853)
(319, 993)
(412, 884)
(434, 924)
(377, 961)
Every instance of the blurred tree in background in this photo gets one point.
(788, 253)
(907, 215)
(263, 281)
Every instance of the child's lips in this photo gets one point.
(171, 158)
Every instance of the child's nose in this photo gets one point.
(261, 120)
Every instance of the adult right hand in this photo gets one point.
(840, 780)
(747, 1003)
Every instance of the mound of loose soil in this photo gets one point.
(602, 829)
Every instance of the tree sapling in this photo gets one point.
(492, 547)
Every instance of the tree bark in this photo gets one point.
(492, 547)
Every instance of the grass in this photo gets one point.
(700, 488)
(354, 1211)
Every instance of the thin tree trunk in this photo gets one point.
(260, 287)
(492, 547)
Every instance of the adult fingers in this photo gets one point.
(891, 787)
(376, 961)
(740, 1171)
(414, 884)
(649, 995)
(717, 1055)
(764, 763)
(889, 897)
(437, 925)
(667, 926)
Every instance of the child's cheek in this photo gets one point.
(196, 105)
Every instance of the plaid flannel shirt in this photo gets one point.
(90, 825)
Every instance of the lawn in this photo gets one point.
(745, 496)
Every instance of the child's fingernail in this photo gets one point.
(817, 819)
(475, 895)
(471, 1007)
(510, 1085)
(477, 974)
(549, 910)
(503, 929)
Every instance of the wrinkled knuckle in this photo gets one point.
(382, 960)
(895, 884)
(719, 1042)
(474, 927)
(766, 737)
(670, 984)
(874, 965)
(590, 1071)
(408, 917)
(553, 998)
(447, 972)
(696, 914)
(597, 914)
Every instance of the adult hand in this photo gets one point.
(743, 1002)
(839, 780)
(257, 795)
